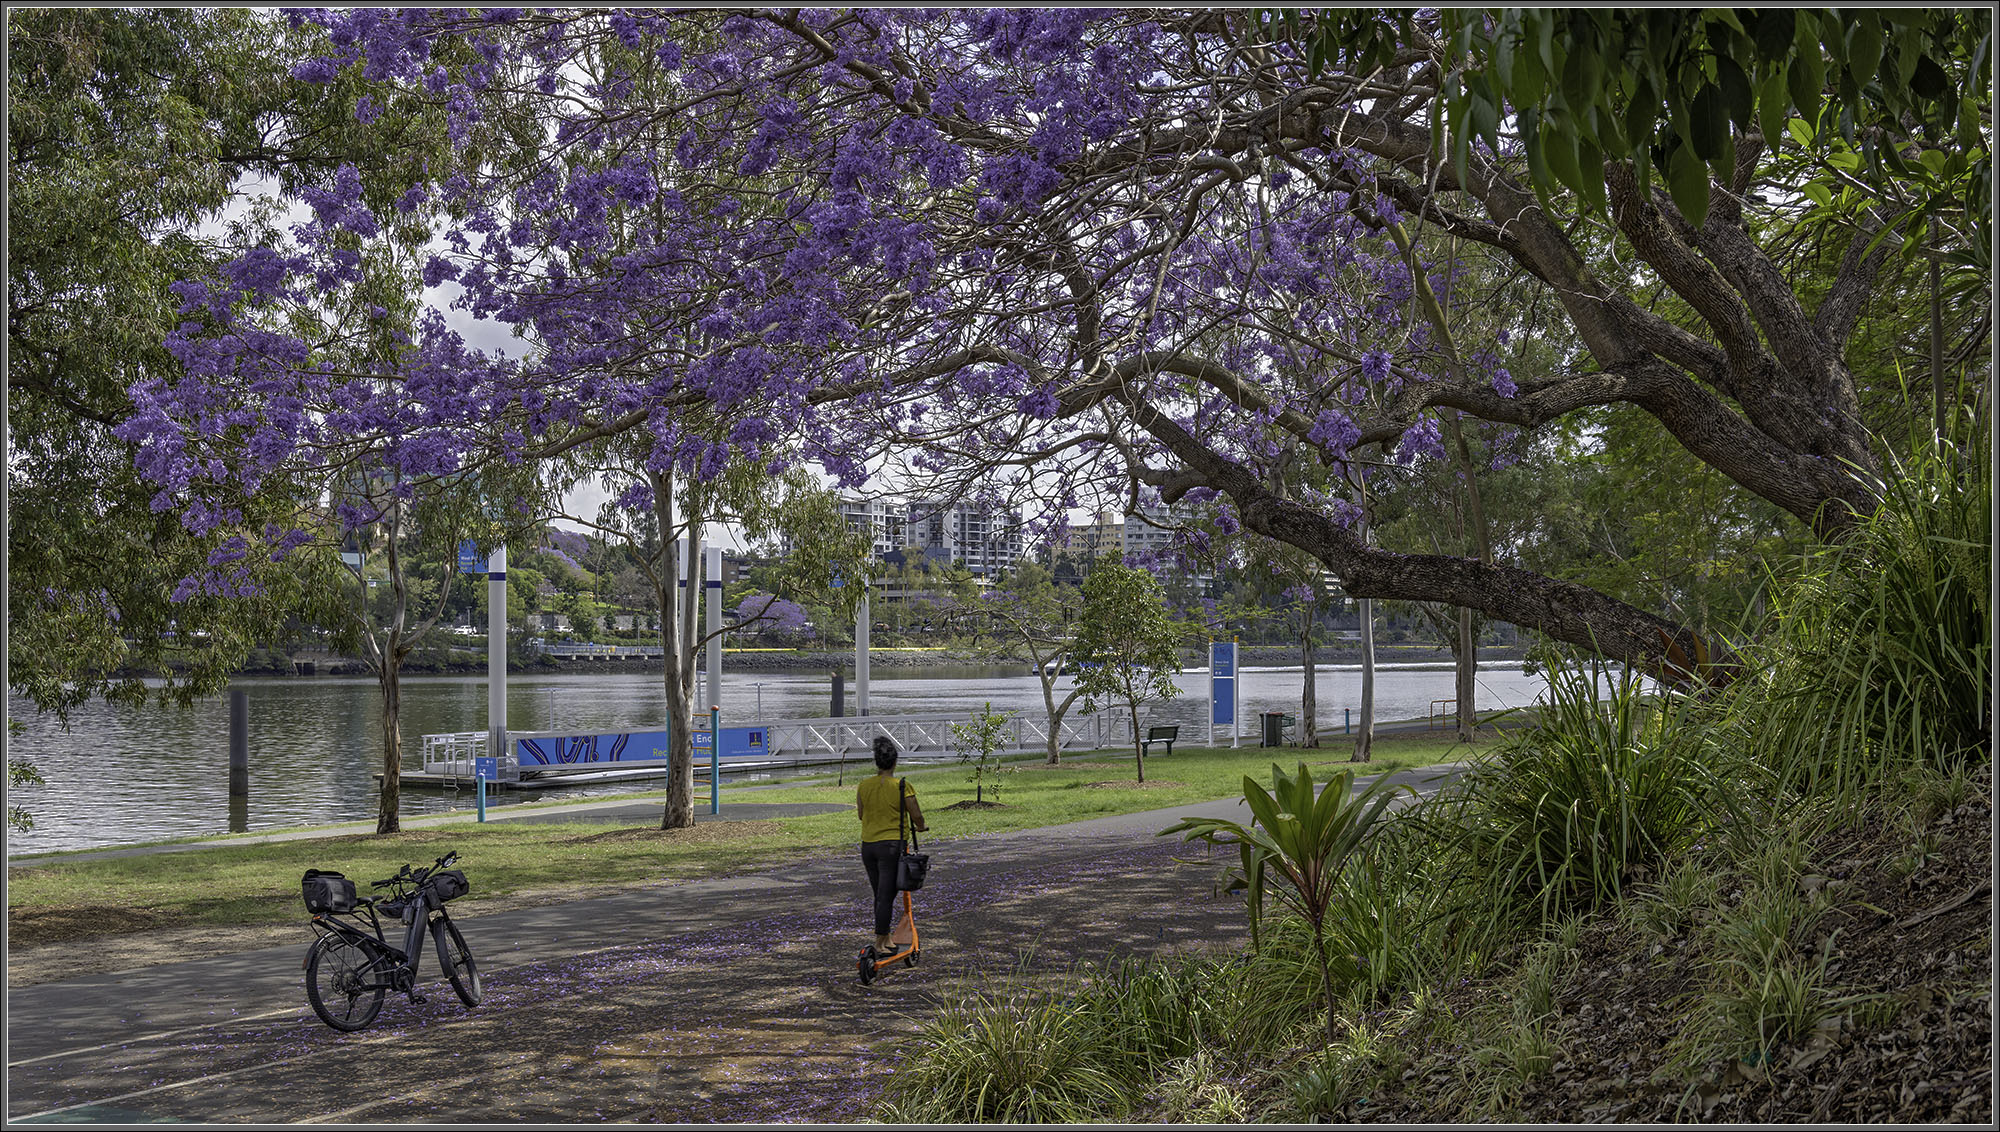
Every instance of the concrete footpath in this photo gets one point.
(730, 998)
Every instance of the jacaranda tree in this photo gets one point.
(1154, 253)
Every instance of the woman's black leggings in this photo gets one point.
(882, 859)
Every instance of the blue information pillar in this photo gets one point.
(1222, 688)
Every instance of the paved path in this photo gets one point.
(721, 999)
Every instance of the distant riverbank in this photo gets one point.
(470, 661)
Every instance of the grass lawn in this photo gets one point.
(238, 882)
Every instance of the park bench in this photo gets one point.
(1154, 735)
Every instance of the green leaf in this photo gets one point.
(1928, 80)
(1864, 50)
(1801, 131)
(1604, 132)
(1590, 174)
(1707, 124)
(1774, 33)
(1641, 112)
(1817, 193)
(1773, 107)
(1735, 89)
(1687, 181)
(1806, 75)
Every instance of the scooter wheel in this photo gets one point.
(910, 960)
(866, 967)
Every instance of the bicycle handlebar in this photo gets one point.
(408, 876)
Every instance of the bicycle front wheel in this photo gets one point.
(456, 959)
(343, 981)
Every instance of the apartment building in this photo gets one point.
(984, 541)
(884, 519)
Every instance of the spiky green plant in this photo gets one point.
(1604, 790)
(1029, 1056)
(1879, 659)
(1301, 839)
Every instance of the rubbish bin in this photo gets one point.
(1274, 728)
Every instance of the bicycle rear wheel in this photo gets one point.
(456, 959)
(339, 970)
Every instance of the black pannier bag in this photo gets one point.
(448, 885)
(328, 892)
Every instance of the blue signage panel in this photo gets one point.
(1222, 683)
(470, 561)
(486, 768)
(573, 750)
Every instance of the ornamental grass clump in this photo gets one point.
(1031, 1056)
(1089, 1043)
(1879, 661)
(1607, 788)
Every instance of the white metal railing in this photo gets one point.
(453, 754)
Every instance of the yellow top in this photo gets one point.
(881, 811)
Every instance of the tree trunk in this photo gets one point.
(1468, 664)
(1937, 345)
(1048, 680)
(388, 813)
(1138, 748)
(1364, 737)
(1309, 696)
(676, 643)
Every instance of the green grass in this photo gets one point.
(239, 880)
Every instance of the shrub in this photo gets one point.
(1030, 1056)
(1304, 840)
(1879, 659)
(1605, 789)
(1081, 1048)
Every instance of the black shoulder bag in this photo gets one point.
(913, 866)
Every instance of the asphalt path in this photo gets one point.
(731, 998)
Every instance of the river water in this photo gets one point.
(125, 774)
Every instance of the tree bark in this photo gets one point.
(1138, 748)
(1309, 695)
(676, 636)
(1364, 737)
(388, 813)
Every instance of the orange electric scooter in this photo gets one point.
(902, 945)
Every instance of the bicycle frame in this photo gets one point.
(408, 957)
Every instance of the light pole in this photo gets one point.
(759, 685)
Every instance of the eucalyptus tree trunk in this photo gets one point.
(1364, 736)
(1056, 710)
(388, 814)
(385, 651)
(1138, 748)
(1309, 695)
(677, 645)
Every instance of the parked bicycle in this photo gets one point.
(351, 966)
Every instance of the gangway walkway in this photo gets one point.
(784, 744)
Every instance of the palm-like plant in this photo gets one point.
(1303, 839)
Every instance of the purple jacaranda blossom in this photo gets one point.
(1335, 432)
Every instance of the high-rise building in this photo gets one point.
(985, 541)
(884, 519)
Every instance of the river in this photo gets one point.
(124, 774)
